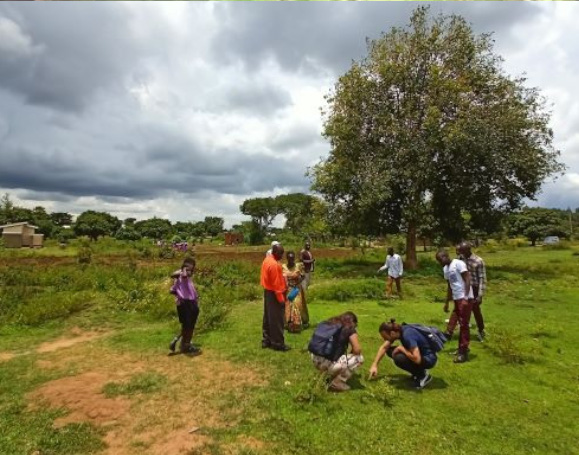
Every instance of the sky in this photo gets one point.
(184, 110)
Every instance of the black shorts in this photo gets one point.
(188, 312)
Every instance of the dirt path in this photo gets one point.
(175, 419)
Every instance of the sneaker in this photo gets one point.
(173, 344)
(282, 348)
(265, 344)
(461, 358)
(420, 384)
(448, 336)
(481, 336)
(339, 386)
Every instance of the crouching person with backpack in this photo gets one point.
(329, 349)
(416, 353)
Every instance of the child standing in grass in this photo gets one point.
(186, 299)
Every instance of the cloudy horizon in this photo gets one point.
(184, 110)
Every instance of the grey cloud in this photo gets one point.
(257, 97)
(176, 165)
(80, 50)
(333, 34)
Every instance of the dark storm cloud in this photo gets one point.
(75, 51)
(176, 165)
(332, 34)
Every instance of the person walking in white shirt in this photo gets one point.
(460, 291)
(395, 269)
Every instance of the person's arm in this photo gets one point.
(176, 274)
(413, 353)
(401, 263)
(448, 296)
(355, 343)
(379, 355)
(466, 277)
(280, 283)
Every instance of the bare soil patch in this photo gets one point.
(76, 336)
(5, 356)
(199, 395)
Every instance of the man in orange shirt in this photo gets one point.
(274, 297)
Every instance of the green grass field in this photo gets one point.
(518, 394)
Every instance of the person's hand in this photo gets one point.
(373, 372)
(397, 350)
(445, 309)
(478, 300)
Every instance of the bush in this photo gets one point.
(84, 255)
(490, 246)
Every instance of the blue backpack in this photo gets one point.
(324, 342)
(435, 337)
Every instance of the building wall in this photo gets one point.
(14, 229)
(12, 240)
(37, 240)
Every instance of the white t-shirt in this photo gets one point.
(394, 265)
(453, 274)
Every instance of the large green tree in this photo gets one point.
(429, 124)
(96, 224)
(154, 228)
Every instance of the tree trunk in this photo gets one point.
(411, 261)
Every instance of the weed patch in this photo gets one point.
(148, 382)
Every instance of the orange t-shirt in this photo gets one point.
(272, 277)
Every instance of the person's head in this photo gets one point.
(390, 251)
(347, 319)
(291, 258)
(188, 266)
(307, 245)
(465, 249)
(277, 251)
(457, 250)
(390, 331)
(274, 243)
(442, 257)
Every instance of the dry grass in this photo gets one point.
(197, 395)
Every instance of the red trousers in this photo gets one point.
(461, 314)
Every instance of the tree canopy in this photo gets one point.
(429, 124)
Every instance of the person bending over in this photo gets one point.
(414, 354)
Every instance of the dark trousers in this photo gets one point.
(188, 312)
(476, 312)
(273, 319)
(461, 315)
(404, 363)
(389, 286)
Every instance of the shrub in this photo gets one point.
(506, 347)
(84, 254)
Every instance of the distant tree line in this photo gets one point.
(306, 216)
(94, 224)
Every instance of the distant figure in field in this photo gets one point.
(187, 302)
(459, 290)
(395, 269)
(274, 243)
(414, 354)
(308, 261)
(294, 274)
(274, 300)
(329, 349)
(478, 279)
